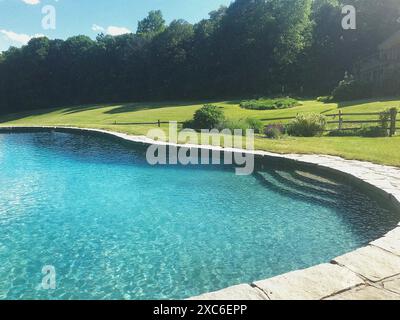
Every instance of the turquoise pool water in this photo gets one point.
(117, 228)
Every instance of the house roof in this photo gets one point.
(392, 41)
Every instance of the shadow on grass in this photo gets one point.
(142, 106)
(344, 104)
(88, 107)
(62, 110)
(21, 115)
(328, 111)
(134, 107)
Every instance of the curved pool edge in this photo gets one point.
(371, 272)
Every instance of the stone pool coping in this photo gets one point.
(371, 272)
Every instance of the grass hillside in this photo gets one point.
(117, 118)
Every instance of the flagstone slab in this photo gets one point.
(310, 284)
(371, 262)
(366, 293)
(394, 234)
(390, 242)
(239, 292)
(392, 284)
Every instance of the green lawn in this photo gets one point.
(378, 150)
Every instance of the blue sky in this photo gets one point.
(22, 19)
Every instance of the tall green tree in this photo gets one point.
(169, 70)
(152, 25)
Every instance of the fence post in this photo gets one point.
(340, 120)
(393, 115)
(159, 123)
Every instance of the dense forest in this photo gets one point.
(251, 48)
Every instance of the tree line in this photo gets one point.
(250, 48)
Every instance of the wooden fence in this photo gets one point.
(391, 119)
(391, 115)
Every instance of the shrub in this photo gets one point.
(372, 132)
(351, 89)
(307, 125)
(255, 124)
(269, 104)
(234, 125)
(274, 131)
(369, 132)
(242, 124)
(384, 119)
(189, 124)
(344, 133)
(208, 117)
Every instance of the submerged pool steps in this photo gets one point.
(270, 180)
(288, 178)
(314, 179)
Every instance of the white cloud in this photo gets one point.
(14, 38)
(111, 30)
(96, 28)
(31, 2)
(117, 31)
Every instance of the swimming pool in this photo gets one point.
(115, 227)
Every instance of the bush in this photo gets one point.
(351, 89)
(307, 125)
(255, 124)
(384, 119)
(345, 133)
(208, 117)
(243, 125)
(274, 131)
(234, 125)
(372, 132)
(189, 124)
(368, 132)
(269, 104)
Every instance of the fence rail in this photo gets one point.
(158, 123)
(357, 114)
(354, 121)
